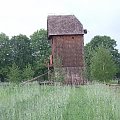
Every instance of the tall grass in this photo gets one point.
(34, 102)
(93, 102)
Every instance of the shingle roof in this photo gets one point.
(64, 25)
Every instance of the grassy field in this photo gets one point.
(34, 102)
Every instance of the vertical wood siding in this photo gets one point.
(69, 49)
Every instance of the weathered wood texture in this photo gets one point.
(64, 25)
(66, 34)
(68, 49)
(74, 75)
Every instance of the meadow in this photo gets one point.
(35, 102)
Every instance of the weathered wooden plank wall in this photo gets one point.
(74, 75)
(69, 49)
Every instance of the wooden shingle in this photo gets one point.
(64, 25)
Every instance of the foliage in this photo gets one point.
(4, 49)
(102, 66)
(40, 50)
(27, 73)
(40, 45)
(59, 75)
(35, 51)
(21, 50)
(97, 41)
(5, 52)
(14, 74)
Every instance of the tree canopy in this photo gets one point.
(21, 50)
(30, 55)
(23, 54)
(40, 50)
(103, 67)
(91, 47)
(5, 53)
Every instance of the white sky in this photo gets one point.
(99, 17)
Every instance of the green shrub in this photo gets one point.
(27, 72)
(14, 74)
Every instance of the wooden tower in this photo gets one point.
(66, 35)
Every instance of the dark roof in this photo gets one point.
(64, 25)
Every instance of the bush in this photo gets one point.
(14, 74)
(27, 72)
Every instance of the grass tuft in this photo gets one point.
(34, 102)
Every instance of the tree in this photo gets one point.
(27, 72)
(40, 50)
(88, 52)
(97, 41)
(5, 53)
(21, 51)
(103, 67)
(14, 74)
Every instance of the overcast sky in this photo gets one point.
(99, 17)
